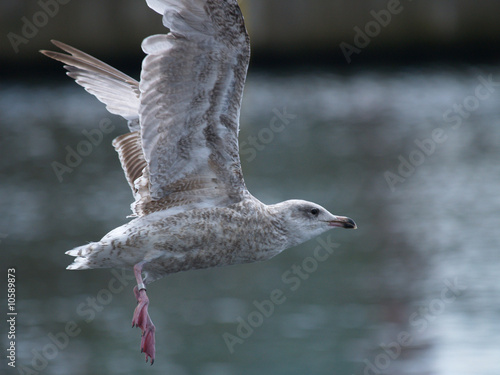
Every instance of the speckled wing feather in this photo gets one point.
(117, 90)
(129, 150)
(191, 87)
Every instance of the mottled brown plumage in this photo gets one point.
(181, 156)
(129, 148)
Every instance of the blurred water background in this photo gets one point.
(409, 151)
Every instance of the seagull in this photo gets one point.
(191, 207)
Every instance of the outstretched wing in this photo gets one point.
(191, 87)
(185, 150)
(117, 90)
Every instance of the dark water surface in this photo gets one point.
(412, 155)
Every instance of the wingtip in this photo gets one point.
(54, 42)
(58, 43)
(45, 52)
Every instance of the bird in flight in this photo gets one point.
(192, 209)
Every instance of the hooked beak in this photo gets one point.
(343, 222)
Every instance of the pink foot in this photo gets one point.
(142, 320)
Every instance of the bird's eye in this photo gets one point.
(315, 211)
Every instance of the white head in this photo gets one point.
(304, 220)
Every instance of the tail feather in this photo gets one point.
(82, 254)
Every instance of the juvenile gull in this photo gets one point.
(181, 156)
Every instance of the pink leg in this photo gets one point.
(141, 317)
